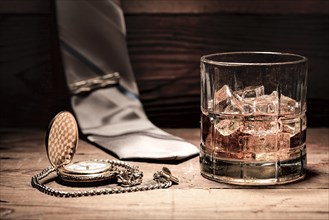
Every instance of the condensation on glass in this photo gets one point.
(253, 123)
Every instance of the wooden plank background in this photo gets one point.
(166, 39)
(187, 6)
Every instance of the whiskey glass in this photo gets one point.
(253, 122)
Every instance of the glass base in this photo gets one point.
(253, 173)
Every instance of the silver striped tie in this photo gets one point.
(104, 92)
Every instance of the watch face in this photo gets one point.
(87, 167)
(62, 139)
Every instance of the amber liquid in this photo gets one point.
(253, 149)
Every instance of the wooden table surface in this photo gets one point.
(23, 155)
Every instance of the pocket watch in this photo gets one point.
(61, 144)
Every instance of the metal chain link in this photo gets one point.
(130, 180)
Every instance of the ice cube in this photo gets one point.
(288, 105)
(252, 92)
(248, 106)
(260, 125)
(227, 127)
(238, 94)
(228, 145)
(262, 147)
(260, 103)
(268, 104)
(226, 102)
(233, 109)
(291, 126)
(260, 143)
(283, 141)
(283, 145)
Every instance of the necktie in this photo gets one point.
(104, 92)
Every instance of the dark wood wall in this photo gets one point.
(166, 39)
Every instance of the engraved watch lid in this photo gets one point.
(61, 139)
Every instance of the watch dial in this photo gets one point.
(87, 167)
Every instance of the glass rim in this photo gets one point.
(205, 59)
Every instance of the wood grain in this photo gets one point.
(25, 6)
(188, 6)
(165, 52)
(31, 87)
(23, 155)
(165, 48)
(222, 6)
